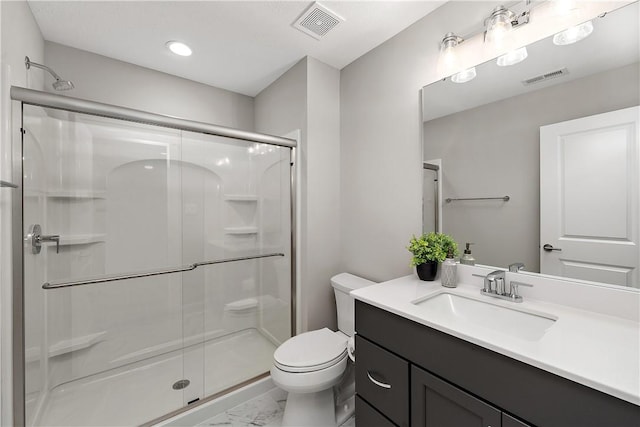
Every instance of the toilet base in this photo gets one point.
(310, 409)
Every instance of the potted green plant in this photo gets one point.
(429, 250)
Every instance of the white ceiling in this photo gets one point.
(242, 46)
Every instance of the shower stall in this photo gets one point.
(153, 261)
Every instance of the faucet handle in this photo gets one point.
(489, 281)
(516, 266)
(514, 289)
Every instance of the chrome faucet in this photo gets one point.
(494, 282)
(495, 285)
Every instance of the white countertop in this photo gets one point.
(597, 350)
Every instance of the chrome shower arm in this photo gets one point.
(28, 63)
(59, 84)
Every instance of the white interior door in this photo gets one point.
(589, 193)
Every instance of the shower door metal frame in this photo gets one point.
(77, 105)
(436, 202)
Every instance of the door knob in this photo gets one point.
(36, 238)
(548, 248)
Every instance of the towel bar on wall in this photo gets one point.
(503, 198)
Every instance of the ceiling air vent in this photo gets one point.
(544, 77)
(317, 20)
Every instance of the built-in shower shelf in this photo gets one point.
(78, 239)
(241, 230)
(75, 344)
(32, 354)
(76, 194)
(241, 197)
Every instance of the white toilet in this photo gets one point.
(310, 364)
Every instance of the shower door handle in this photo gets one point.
(36, 238)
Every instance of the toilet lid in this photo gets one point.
(311, 351)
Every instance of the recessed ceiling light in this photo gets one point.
(179, 48)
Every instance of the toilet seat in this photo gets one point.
(311, 351)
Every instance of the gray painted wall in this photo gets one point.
(494, 150)
(381, 152)
(307, 98)
(321, 253)
(107, 80)
(19, 36)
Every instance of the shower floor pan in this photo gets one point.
(143, 391)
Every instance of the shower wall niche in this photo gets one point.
(128, 198)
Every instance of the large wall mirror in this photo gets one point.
(538, 162)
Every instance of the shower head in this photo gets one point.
(59, 84)
(63, 85)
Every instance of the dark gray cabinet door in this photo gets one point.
(366, 416)
(436, 403)
(509, 421)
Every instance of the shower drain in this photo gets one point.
(179, 385)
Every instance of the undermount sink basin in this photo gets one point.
(510, 321)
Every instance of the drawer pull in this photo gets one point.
(378, 383)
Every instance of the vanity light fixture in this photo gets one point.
(500, 23)
(573, 34)
(464, 76)
(179, 48)
(513, 57)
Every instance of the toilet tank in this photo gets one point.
(343, 284)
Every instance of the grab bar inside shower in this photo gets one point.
(118, 277)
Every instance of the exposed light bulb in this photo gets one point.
(179, 48)
(464, 76)
(573, 34)
(499, 24)
(513, 57)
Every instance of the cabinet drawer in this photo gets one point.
(382, 379)
(366, 416)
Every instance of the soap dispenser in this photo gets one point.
(448, 277)
(467, 258)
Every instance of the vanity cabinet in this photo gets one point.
(413, 375)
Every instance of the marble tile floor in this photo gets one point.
(265, 410)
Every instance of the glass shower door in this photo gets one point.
(102, 198)
(236, 206)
